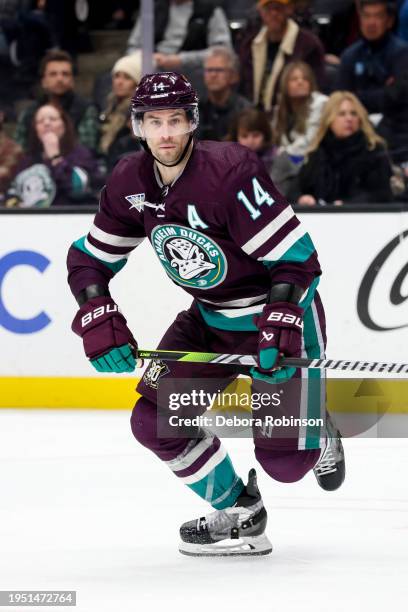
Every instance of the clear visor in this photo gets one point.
(156, 124)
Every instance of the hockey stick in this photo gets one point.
(251, 360)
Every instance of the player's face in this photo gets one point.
(375, 21)
(167, 133)
(253, 139)
(122, 85)
(58, 78)
(346, 122)
(298, 85)
(48, 119)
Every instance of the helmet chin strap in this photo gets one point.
(180, 159)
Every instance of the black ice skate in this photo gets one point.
(330, 470)
(238, 530)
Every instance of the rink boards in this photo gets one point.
(364, 257)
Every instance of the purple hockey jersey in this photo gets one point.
(221, 230)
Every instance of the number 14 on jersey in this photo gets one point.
(261, 197)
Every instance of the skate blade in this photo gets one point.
(243, 547)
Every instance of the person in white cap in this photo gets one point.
(126, 74)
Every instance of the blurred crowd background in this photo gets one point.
(317, 88)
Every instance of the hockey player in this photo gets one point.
(226, 235)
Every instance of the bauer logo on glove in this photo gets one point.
(98, 312)
(278, 316)
(108, 342)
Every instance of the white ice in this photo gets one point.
(84, 507)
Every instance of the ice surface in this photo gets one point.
(84, 507)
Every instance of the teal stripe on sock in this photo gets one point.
(221, 486)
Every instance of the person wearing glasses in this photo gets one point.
(221, 104)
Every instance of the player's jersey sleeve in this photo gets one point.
(98, 256)
(266, 228)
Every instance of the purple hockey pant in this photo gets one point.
(194, 460)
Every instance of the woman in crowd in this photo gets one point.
(299, 110)
(347, 160)
(56, 169)
(252, 129)
(116, 134)
(296, 121)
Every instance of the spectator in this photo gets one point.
(403, 21)
(8, 24)
(347, 160)
(10, 155)
(238, 10)
(70, 24)
(121, 17)
(184, 30)
(252, 129)
(26, 34)
(112, 14)
(376, 58)
(58, 85)
(56, 170)
(221, 103)
(299, 110)
(295, 124)
(336, 24)
(124, 144)
(265, 53)
(126, 74)
(394, 123)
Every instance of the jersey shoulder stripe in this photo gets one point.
(296, 247)
(114, 263)
(268, 231)
(114, 239)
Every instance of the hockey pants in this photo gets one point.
(202, 463)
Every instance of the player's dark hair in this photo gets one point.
(67, 142)
(55, 56)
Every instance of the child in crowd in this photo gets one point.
(252, 129)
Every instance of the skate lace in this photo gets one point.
(224, 519)
(327, 464)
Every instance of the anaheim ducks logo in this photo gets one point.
(189, 257)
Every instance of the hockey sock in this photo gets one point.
(206, 468)
(221, 486)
